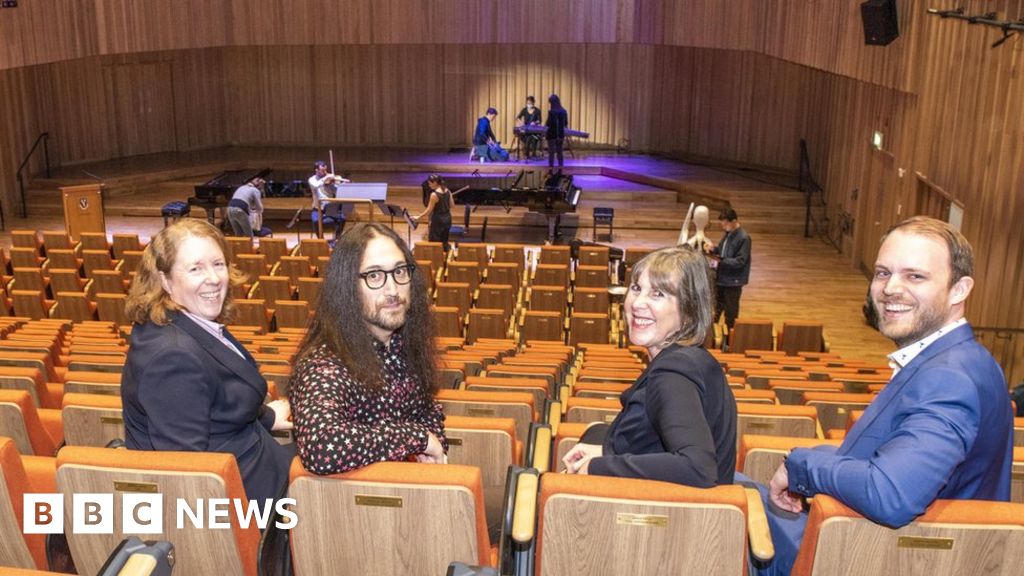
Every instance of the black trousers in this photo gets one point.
(727, 299)
(555, 148)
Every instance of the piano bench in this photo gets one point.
(604, 216)
(172, 211)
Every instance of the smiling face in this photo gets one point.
(199, 278)
(384, 309)
(911, 288)
(651, 314)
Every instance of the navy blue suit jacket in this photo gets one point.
(184, 390)
(941, 429)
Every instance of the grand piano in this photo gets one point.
(550, 194)
(213, 195)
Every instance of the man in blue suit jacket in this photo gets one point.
(941, 429)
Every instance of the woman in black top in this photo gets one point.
(678, 420)
(557, 122)
(439, 210)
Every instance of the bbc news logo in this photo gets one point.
(143, 513)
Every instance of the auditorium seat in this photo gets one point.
(549, 373)
(27, 258)
(97, 260)
(455, 294)
(516, 405)
(237, 246)
(56, 240)
(551, 275)
(796, 337)
(447, 321)
(486, 323)
(604, 390)
(834, 409)
(313, 248)
(1018, 432)
(92, 419)
(510, 254)
(74, 306)
(292, 314)
(175, 475)
(592, 277)
(465, 272)
(587, 410)
(120, 243)
(555, 254)
(35, 431)
(779, 420)
(252, 265)
(542, 325)
(308, 289)
(130, 260)
(63, 258)
(504, 273)
(791, 392)
(548, 298)
(89, 382)
(95, 363)
(755, 396)
(432, 251)
(491, 445)
(20, 475)
(951, 537)
(30, 278)
(472, 252)
(759, 456)
(30, 239)
(585, 327)
(68, 280)
(538, 387)
(610, 526)
(389, 518)
(594, 256)
(272, 288)
(273, 249)
(500, 296)
(94, 241)
(751, 334)
(110, 308)
(253, 313)
(592, 300)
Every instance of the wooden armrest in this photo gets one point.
(524, 516)
(554, 416)
(761, 546)
(252, 290)
(542, 449)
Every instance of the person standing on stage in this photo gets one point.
(325, 185)
(439, 210)
(529, 116)
(245, 210)
(733, 265)
(558, 121)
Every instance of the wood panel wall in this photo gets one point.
(740, 81)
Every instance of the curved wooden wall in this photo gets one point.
(740, 80)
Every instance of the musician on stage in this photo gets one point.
(557, 122)
(439, 210)
(325, 185)
(529, 116)
(485, 145)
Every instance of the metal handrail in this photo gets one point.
(44, 138)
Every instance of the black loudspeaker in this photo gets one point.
(880, 24)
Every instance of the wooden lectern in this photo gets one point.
(83, 209)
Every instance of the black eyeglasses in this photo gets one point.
(375, 279)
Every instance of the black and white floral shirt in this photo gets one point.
(341, 425)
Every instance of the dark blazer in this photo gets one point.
(734, 266)
(557, 122)
(483, 133)
(184, 390)
(678, 423)
(942, 428)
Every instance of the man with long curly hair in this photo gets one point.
(363, 386)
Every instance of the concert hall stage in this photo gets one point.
(647, 192)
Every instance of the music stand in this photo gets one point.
(394, 210)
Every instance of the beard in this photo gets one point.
(921, 322)
(392, 319)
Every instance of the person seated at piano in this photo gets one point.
(485, 146)
(325, 185)
(529, 116)
(245, 209)
(557, 122)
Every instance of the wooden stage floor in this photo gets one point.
(792, 277)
